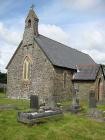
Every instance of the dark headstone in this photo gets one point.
(34, 102)
(92, 99)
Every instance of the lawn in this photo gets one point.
(69, 127)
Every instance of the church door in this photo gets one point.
(100, 90)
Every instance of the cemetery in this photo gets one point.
(51, 91)
(38, 114)
(25, 119)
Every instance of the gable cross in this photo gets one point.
(32, 7)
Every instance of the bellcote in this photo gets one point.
(31, 27)
(32, 21)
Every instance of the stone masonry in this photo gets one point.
(85, 86)
(45, 79)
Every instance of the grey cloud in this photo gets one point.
(84, 4)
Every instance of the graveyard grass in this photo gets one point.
(70, 127)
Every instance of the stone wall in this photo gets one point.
(84, 88)
(100, 76)
(42, 74)
(45, 79)
(61, 91)
(14, 75)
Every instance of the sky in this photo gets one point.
(79, 24)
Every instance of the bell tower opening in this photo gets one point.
(29, 23)
(31, 27)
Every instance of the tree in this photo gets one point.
(3, 78)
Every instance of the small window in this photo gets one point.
(65, 79)
(26, 69)
(29, 23)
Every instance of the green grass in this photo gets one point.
(69, 127)
(21, 104)
(101, 107)
(2, 95)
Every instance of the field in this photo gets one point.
(69, 127)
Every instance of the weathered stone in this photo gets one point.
(84, 87)
(75, 107)
(62, 92)
(45, 81)
(96, 114)
(51, 102)
(92, 99)
(35, 117)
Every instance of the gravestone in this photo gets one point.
(37, 117)
(92, 99)
(51, 102)
(75, 107)
(34, 102)
(94, 112)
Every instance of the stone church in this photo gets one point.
(47, 68)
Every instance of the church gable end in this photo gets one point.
(29, 70)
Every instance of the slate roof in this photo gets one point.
(86, 72)
(62, 55)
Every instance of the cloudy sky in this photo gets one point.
(77, 23)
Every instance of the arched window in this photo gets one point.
(29, 23)
(64, 79)
(26, 69)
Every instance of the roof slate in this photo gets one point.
(62, 55)
(86, 72)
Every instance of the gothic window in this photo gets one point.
(29, 23)
(64, 79)
(26, 69)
